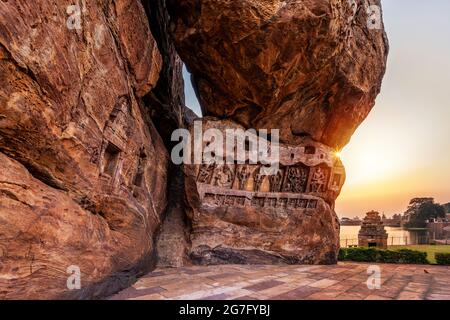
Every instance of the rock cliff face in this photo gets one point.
(83, 170)
(308, 68)
(89, 96)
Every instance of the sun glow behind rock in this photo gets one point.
(370, 163)
(402, 150)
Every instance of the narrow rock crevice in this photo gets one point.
(172, 242)
(166, 103)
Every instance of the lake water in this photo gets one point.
(396, 236)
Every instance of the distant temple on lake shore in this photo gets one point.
(372, 232)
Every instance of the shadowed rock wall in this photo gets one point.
(83, 173)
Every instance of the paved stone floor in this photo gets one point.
(345, 281)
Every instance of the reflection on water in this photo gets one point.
(396, 236)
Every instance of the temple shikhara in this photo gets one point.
(372, 232)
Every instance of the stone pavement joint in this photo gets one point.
(345, 281)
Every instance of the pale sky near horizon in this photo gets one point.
(402, 150)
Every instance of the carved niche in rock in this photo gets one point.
(296, 178)
(239, 214)
(242, 175)
(223, 176)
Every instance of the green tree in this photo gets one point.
(422, 209)
(447, 207)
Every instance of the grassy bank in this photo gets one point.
(430, 250)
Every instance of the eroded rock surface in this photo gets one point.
(166, 100)
(309, 68)
(89, 96)
(83, 170)
(240, 215)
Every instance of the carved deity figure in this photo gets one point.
(119, 119)
(224, 177)
(140, 171)
(336, 181)
(206, 172)
(275, 181)
(318, 180)
(242, 176)
(296, 179)
(258, 178)
(282, 203)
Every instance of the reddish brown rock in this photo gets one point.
(166, 104)
(309, 68)
(166, 100)
(83, 170)
(240, 215)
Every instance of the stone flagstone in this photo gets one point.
(345, 281)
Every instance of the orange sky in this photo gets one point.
(402, 150)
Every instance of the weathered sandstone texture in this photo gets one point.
(166, 100)
(309, 68)
(90, 93)
(83, 170)
(240, 215)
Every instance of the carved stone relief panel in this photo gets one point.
(120, 119)
(319, 179)
(224, 200)
(301, 203)
(242, 176)
(336, 182)
(258, 179)
(275, 181)
(312, 204)
(223, 176)
(206, 173)
(139, 177)
(296, 179)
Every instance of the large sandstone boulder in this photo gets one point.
(311, 68)
(240, 214)
(82, 169)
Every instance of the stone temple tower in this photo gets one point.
(372, 232)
